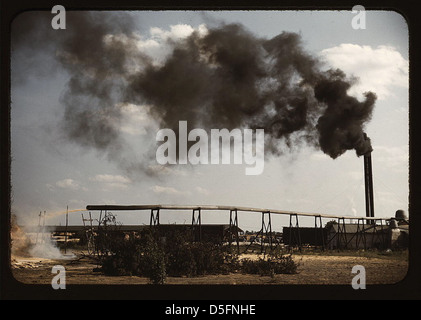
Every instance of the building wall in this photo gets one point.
(308, 236)
(356, 240)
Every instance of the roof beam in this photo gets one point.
(211, 207)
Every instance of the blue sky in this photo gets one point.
(49, 173)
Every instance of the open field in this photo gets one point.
(327, 268)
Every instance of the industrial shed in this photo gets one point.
(395, 235)
(216, 233)
(354, 236)
(206, 232)
(307, 236)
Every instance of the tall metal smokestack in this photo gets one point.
(369, 191)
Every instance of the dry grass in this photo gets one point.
(333, 268)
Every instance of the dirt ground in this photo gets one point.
(312, 269)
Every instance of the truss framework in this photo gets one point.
(266, 235)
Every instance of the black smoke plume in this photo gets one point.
(225, 78)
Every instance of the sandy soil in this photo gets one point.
(312, 269)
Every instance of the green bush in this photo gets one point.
(187, 258)
(153, 261)
(150, 255)
(135, 256)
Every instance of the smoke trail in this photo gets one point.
(230, 78)
(223, 78)
(341, 125)
(26, 243)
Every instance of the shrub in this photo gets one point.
(150, 255)
(152, 261)
(273, 264)
(196, 258)
(134, 256)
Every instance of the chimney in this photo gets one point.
(368, 177)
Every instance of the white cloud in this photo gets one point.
(379, 70)
(136, 120)
(111, 181)
(169, 190)
(68, 184)
(108, 178)
(157, 46)
(202, 191)
(178, 31)
(164, 170)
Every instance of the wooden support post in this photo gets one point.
(378, 234)
(65, 233)
(196, 225)
(342, 233)
(39, 227)
(383, 236)
(91, 244)
(294, 231)
(234, 225)
(154, 220)
(318, 230)
(266, 231)
(360, 234)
